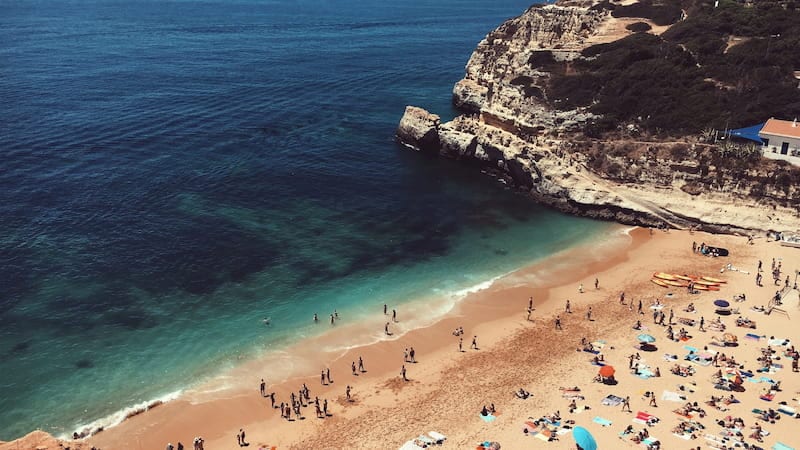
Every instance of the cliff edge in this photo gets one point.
(522, 125)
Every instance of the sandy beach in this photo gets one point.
(446, 389)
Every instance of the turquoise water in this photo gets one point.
(176, 171)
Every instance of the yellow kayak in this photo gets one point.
(664, 276)
(713, 280)
(659, 282)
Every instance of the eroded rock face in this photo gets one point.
(419, 129)
(503, 77)
(506, 114)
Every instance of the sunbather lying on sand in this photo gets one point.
(522, 393)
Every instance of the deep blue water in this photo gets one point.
(174, 171)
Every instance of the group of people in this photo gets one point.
(199, 442)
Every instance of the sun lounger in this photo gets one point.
(410, 445)
(425, 439)
(601, 421)
(438, 437)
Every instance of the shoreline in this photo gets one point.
(297, 358)
(446, 388)
(474, 300)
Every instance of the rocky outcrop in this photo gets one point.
(39, 440)
(509, 131)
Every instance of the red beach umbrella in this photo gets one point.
(607, 371)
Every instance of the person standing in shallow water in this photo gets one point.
(263, 388)
(568, 308)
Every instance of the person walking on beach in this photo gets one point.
(626, 404)
(239, 437)
(474, 343)
(272, 399)
(640, 306)
(529, 314)
(589, 314)
(411, 354)
(580, 288)
(353, 366)
(558, 323)
(325, 407)
(405, 355)
(759, 266)
(530, 304)
(596, 283)
(361, 365)
(460, 344)
(653, 400)
(386, 329)
(702, 322)
(568, 309)
(403, 372)
(244, 442)
(263, 388)
(394, 315)
(322, 378)
(347, 393)
(622, 298)
(328, 375)
(671, 316)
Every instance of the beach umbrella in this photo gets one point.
(607, 371)
(646, 338)
(584, 439)
(722, 303)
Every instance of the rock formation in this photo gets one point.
(506, 113)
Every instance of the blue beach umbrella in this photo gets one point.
(646, 338)
(722, 303)
(584, 439)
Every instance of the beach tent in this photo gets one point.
(748, 133)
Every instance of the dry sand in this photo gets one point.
(447, 388)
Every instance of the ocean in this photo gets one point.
(175, 171)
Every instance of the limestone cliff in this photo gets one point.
(509, 128)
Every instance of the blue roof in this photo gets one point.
(749, 133)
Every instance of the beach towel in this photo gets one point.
(612, 400)
(752, 337)
(779, 342)
(488, 418)
(645, 373)
(650, 441)
(579, 409)
(690, 348)
(672, 397)
(601, 421)
(781, 446)
(767, 397)
(685, 436)
(644, 418)
(786, 409)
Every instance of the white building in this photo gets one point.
(781, 140)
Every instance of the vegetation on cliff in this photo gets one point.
(728, 66)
